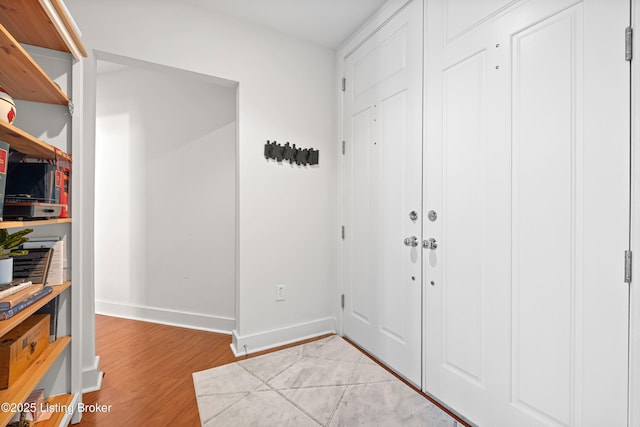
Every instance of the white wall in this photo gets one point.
(165, 196)
(288, 232)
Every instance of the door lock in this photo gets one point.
(411, 241)
(430, 244)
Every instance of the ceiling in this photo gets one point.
(324, 22)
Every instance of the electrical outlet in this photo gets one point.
(279, 292)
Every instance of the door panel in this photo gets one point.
(463, 125)
(527, 160)
(383, 184)
(547, 70)
(362, 205)
(395, 268)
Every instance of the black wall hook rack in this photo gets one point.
(291, 153)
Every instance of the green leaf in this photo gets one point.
(21, 233)
(10, 241)
(19, 252)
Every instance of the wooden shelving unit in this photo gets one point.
(9, 324)
(35, 223)
(42, 23)
(19, 391)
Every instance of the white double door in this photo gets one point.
(525, 169)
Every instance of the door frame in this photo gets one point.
(634, 292)
(390, 9)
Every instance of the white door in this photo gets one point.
(383, 185)
(527, 166)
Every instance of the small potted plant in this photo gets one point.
(8, 244)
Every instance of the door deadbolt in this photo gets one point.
(432, 215)
(430, 244)
(413, 215)
(411, 241)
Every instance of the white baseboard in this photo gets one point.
(92, 377)
(252, 343)
(204, 322)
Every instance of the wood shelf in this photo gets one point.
(9, 324)
(35, 223)
(25, 143)
(22, 77)
(31, 24)
(21, 389)
(64, 400)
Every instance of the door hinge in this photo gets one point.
(344, 84)
(71, 107)
(627, 266)
(628, 43)
(343, 232)
(342, 301)
(344, 150)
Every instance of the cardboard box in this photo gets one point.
(21, 346)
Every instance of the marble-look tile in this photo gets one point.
(367, 360)
(265, 408)
(326, 382)
(312, 346)
(225, 379)
(312, 372)
(210, 406)
(269, 365)
(367, 373)
(334, 348)
(386, 404)
(319, 402)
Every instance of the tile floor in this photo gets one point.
(326, 382)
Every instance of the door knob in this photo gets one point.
(430, 244)
(411, 241)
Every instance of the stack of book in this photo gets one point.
(15, 297)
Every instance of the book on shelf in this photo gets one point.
(51, 308)
(15, 286)
(10, 312)
(18, 297)
(4, 158)
(55, 274)
(33, 266)
(64, 192)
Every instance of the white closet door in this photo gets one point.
(527, 166)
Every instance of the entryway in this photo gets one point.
(165, 240)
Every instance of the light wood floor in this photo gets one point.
(147, 372)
